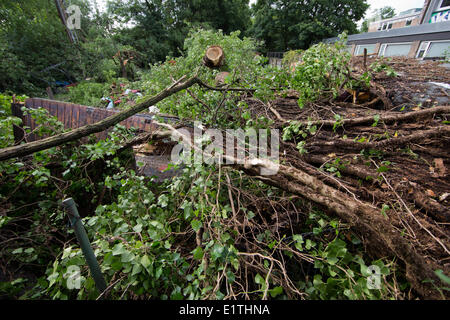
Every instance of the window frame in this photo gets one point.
(441, 8)
(358, 46)
(424, 46)
(427, 49)
(384, 46)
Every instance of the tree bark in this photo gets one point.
(214, 57)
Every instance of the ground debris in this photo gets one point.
(399, 163)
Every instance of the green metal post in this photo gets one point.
(76, 223)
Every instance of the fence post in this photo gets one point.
(19, 133)
(75, 222)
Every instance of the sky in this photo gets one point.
(398, 5)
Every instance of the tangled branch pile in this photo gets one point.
(362, 177)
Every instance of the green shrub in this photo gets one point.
(88, 93)
(322, 72)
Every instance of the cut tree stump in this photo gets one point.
(214, 57)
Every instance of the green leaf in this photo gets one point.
(137, 268)
(158, 272)
(259, 280)
(127, 257)
(276, 291)
(382, 169)
(137, 228)
(163, 200)
(235, 263)
(145, 261)
(384, 210)
(118, 249)
(196, 225)
(442, 276)
(17, 251)
(376, 119)
(198, 253)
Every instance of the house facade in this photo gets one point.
(404, 19)
(427, 36)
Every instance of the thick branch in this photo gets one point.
(389, 118)
(393, 142)
(35, 146)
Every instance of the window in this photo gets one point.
(438, 49)
(423, 49)
(435, 49)
(385, 26)
(408, 22)
(370, 49)
(444, 4)
(348, 48)
(395, 49)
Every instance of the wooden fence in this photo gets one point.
(75, 116)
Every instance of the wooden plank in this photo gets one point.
(61, 109)
(82, 119)
(89, 115)
(75, 115)
(29, 103)
(53, 108)
(43, 104)
(67, 116)
(136, 122)
(32, 123)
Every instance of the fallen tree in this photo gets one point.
(355, 162)
(380, 235)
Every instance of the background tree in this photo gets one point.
(365, 26)
(227, 15)
(384, 13)
(36, 51)
(158, 28)
(34, 47)
(284, 24)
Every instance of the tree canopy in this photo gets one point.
(284, 24)
(146, 32)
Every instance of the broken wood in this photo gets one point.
(364, 218)
(214, 57)
(220, 78)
